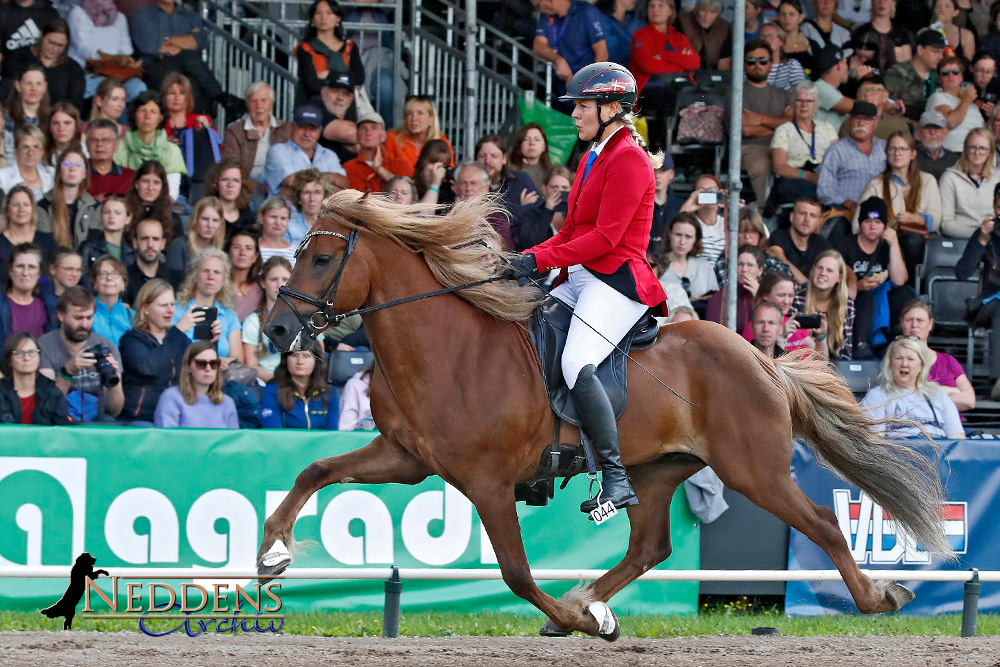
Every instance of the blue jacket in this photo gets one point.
(272, 415)
(148, 368)
(6, 318)
(112, 322)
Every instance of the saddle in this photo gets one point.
(548, 329)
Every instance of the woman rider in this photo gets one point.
(603, 243)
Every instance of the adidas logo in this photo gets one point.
(26, 35)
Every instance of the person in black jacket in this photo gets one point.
(27, 396)
(984, 249)
(541, 222)
(152, 351)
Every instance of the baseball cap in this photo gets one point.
(828, 58)
(932, 38)
(668, 162)
(933, 118)
(370, 117)
(308, 115)
(864, 110)
(338, 80)
(873, 208)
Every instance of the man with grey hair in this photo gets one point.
(472, 180)
(710, 35)
(248, 138)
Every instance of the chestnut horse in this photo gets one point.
(457, 392)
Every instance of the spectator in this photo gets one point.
(21, 308)
(765, 107)
(779, 289)
(356, 407)
(62, 133)
(955, 99)
(530, 153)
(752, 20)
(659, 48)
(339, 130)
(420, 125)
(682, 314)
(619, 21)
(147, 141)
(97, 27)
(710, 35)
(198, 401)
(472, 180)
(960, 40)
(872, 89)
(149, 241)
(429, 174)
(106, 176)
(710, 217)
(177, 103)
(21, 23)
(258, 350)
(298, 396)
(26, 396)
(205, 230)
(207, 285)
(66, 270)
(984, 78)
(800, 245)
(110, 238)
(368, 171)
(27, 169)
(822, 28)
(753, 231)
(852, 162)
(112, 316)
(749, 268)
(904, 392)
(895, 41)
(249, 138)
(796, 45)
(169, 38)
(401, 189)
(916, 321)
(28, 106)
(569, 34)
(65, 77)
(932, 157)
(785, 73)
(68, 211)
(300, 152)
(228, 181)
(516, 190)
(798, 148)
(990, 42)
(324, 51)
(983, 253)
(69, 357)
(540, 223)
(149, 197)
(273, 217)
(685, 265)
(109, 103)
(833, 106)
(912, 81)
(766, 325)
(244, 256)
(666, 203)
(152, 351)
(966, 188)
(827, 295)
(20, 215)
(309, 189)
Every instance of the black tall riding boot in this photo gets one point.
(598, 420)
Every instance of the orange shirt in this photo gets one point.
(362, 177)
(403, 153)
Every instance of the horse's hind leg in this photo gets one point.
(379, 462)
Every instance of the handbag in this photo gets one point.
(700, 123)
(116, 67)
(240, 373)
(918, 228)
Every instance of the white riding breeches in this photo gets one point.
(605, 309)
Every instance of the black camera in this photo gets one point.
(996, 225)
(449, 174)
(109, 378)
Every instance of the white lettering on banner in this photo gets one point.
(375, 546)
(162, 545)
(450, 507)
(71, 475)
(238, 547)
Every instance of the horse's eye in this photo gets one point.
(321, 260)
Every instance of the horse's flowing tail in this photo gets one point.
(849, 442)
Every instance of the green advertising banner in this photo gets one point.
(198, 498)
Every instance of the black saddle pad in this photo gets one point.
(549, 327)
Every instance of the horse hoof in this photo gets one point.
(274, 562)
(898, 595)
(550, 629)
(608, 627)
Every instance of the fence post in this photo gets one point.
(390, 614)
(970, 605)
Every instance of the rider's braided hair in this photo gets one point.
(656, 159)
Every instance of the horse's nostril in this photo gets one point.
(278, 331)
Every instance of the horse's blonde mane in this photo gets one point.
(451, 244)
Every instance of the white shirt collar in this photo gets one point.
(248, 124)
(600, 147)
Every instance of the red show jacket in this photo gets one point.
(649, 54)
(609, 218)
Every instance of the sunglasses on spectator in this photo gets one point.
(422, 98)
(951, 72)
(761, 60)
(202, 364)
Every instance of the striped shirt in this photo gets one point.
(847, 170)
(713, 240)
(288, 253)
(786, 74)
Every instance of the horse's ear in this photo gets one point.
(365, 195)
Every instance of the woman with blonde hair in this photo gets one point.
(28, 168)
(18, 225)
(197, 401)
(967, 188)
(109, 102)
(273, 217)
(420, 125)
(177, 101)
(208, 292)
(826, 295)
(206, 230)
(905, 393)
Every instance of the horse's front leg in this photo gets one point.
(378, 462)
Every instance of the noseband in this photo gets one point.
(324, 315)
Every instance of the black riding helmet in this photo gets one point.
(605, 83)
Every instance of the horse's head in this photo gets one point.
(329, 278)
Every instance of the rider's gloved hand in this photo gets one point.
(519, 266)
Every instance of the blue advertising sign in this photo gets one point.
(970, 471)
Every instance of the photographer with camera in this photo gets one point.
(84, 365)
(542, 222)
(983, 250)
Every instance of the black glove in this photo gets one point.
(519, 266)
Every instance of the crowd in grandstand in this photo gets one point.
(136, 271)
